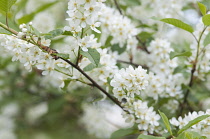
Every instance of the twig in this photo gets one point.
(143, 44)
(7, 20)
(93, 82)
(192, 71)
(118, 7)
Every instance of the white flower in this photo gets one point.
(93, 27)
(45, 42)
(85, 43)
(130, 80)
(49, 68)
(82, 14)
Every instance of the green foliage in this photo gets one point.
(149, 137)
(138, 97)
(117, 48)
(193, 122)
(67, 33)
(89, 67)
(20, 5)
(3, 31)
(178, 23)
(29, 17)
(202, 8)
(206, 19)
(5, 5)
(93, 55)
(132, 2)
(166, 122)
(190, 135)
(124, 132)
(108, 41)
(66, 83)
(64, 56)
(175, 54)
(144, 36)
(54, 33)
(207, 40)
(35, 31)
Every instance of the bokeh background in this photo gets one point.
(33, 106)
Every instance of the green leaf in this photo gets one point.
(207, 40)
(36, 32)
(93, 55)
(5, 5)
(155, 18)
(66, 83)
(206, 19)
(54, 33)
(149, 137)
(108, 41)
(67, 33)
(29, 17)
(20, 5)
(123, 132)
(116, 47)
(166, 122)
(193, 122)
(178, 23)
(202, 8)
(97, 99)
(144, 36)
(64, 56)
(138, 97)
(175, 54)
(89, 67)
(3, 31)
(132, 2)
(190, 135)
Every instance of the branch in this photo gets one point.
(53, 54)
(93, 82)
(8, 29)
(118, 7)
(192, 72)
(143, 44)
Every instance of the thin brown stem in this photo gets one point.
(143, 45)
(118, 7)
(182, 105)
(93, 82)
(8, 29)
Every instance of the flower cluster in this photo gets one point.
(160, 62)
(83, 13)
(127, 85)
(118, 26)
(203, 127)
(129, 82)
(163, 67)
(28, 54)
(144, 116)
